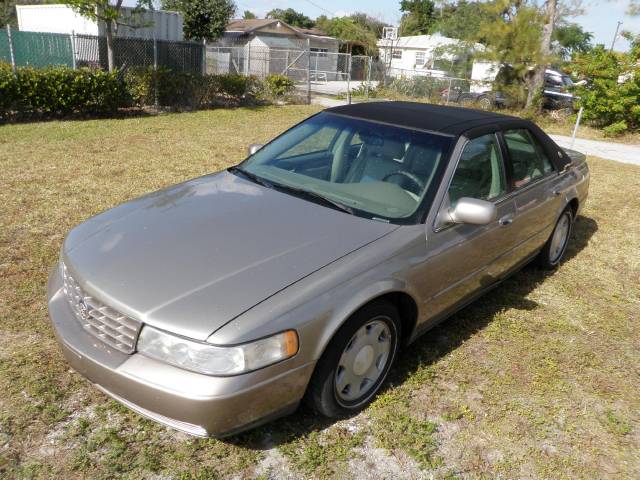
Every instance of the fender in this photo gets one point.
(346, 307)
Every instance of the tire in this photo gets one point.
(351, 351)
(553, 251)
(467, 101)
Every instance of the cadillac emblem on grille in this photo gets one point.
(83, 310)
(111, 327)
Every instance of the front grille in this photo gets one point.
(110, 326)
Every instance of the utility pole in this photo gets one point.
(615, 36)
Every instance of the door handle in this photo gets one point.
(506, 220)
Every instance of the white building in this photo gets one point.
(270, 46)
(57, 18)
(423, 55)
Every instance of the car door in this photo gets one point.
(535, 190)
(468, 258)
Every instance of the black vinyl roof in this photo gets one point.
(423, 116)
(447, 120)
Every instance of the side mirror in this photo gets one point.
(473, 211)
(254, 147)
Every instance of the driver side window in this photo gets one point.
(480, 171)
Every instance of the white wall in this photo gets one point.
(165, 26)
(53, 19)
(62, 19)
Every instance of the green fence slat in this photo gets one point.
(5, 52)
(35, 49)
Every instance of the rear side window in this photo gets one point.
(528, 159)
(480, 172)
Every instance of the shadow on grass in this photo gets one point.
(123, 113)
(433, 345)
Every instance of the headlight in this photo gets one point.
(217, 360)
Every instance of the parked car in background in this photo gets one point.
(220, 303)
(557, 93)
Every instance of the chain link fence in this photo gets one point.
(37, 49)
(313, 71)
(320, 72)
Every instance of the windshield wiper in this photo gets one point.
(251, 176)
(299, 192)
(315, 197)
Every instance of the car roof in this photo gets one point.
(423, 116)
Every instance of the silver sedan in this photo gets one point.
(220, 303)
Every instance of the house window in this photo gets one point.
(396, 54)
(420, 58)
(319, 52)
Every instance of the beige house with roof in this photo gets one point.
(270, 46)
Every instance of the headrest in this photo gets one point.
(389, 149)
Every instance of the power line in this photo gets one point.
(321, 8)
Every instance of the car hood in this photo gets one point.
(190, 258)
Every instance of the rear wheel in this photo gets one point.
(553, 251)
(356, 361)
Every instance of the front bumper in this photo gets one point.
(194, 403)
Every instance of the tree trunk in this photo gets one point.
(111, 24)
(110, 57)
(536, 84)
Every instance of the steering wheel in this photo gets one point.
(413, 178)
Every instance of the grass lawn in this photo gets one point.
(564, 126)
(539, 379)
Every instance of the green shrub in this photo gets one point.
(60, 91)
(278, 85)
(183, 89)
(417, 87)
(362, 91)
(607, 101)
(615, 129)
(8, 89)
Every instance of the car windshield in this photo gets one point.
(366, 168)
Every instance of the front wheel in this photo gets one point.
(356, 361)
(553, 251)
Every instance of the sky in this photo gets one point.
(600, 17)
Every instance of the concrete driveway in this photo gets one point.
(613, 151)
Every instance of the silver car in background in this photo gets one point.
(222, 302)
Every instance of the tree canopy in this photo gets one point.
(203, 19)
(463, 20)
(418, 17)
(370, 23)
(570, 39)
(248, 15)
(349, 31)
(291, 17)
